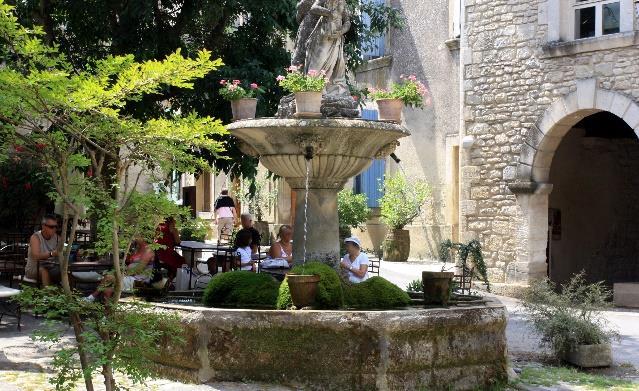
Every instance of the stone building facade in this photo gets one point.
(530, 83)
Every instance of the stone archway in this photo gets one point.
(532, 186)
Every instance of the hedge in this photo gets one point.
(241, 289)
(375, 293)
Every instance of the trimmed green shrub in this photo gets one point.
(241, 289)
(375, 293)
(329, 289)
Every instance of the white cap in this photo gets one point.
(354, 240)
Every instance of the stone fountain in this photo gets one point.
(330, 150)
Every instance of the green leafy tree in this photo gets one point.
(73, 120)
(352, 209)
(249, 35)
(402, 203)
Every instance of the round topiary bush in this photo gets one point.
(241, 289)
(375, 293)
(329, 289)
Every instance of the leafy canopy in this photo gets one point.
(401, 202)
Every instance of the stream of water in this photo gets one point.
(308, 170)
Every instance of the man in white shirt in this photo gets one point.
(355, 261)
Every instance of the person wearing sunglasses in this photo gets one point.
(43, 246)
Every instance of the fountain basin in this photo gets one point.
(461, 348)
(339, 149)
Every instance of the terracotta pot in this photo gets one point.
(396, 245)
(590, 356)
(244, 108)
(390, 110)
(437, 287)
(303, 289)
(308, 104)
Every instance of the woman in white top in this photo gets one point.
(244, 252)
(355, 261)
(283, 248)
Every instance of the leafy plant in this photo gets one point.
(329, 289)
(235, 91)
(401, 203)
(410, 91)
(415, 286)
(241, 289)
(258, 195)
(471, 250)
(352, 209)
(569, 317)
(296, 81)
(194, 229)
(375, 293)
(134, 333)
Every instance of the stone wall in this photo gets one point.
(512, 75)
(435, 349)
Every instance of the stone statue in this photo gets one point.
(325, 47)
(319, 45)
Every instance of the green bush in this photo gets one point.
(329, 289)
(375, 293)
(241, 289)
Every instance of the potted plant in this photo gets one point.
(352, 212)
(569, 320)
(259, 195)
(400, 205)
(302, 284)
(408, 92)
(307, 89)
(243, 99)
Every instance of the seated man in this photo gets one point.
(355, 261)
(139, 269)
(247, 226)
(43, 246)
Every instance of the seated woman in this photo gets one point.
(169, 237)
(283, 248)
(244, 251)
(139, 268)
(355, 261)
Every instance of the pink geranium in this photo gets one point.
(280, 78)
(312, 73)
(223, 82)
(254, 86)
(236, 82)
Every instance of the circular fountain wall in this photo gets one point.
(460, 348)
(338, 150)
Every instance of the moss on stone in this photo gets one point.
(375, 293)
(241, 289)
(329, 290)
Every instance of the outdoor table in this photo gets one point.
(278, 273)
(198, 246)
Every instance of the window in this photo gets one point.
(596, 18)
(376, 48)
(370, 181)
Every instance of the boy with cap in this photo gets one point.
(355, 261)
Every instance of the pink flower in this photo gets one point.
(293, 68)
(355, 97)
(236, 82)
(223, 82)
(232, 87)
(412, 78)
(254, 86)
(312, 73)
(18, 148)
(323, 72)
(401, 76)
(280, 78)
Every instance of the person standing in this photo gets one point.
(43, 246)
(225, 215)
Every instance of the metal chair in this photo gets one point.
(373, 266)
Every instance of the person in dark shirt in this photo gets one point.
(247, 225)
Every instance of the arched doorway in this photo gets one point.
(594, 205)
(533, 186)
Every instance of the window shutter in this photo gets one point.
(370, 181)
(378, 48)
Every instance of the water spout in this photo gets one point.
(308, 171)
(308, 154)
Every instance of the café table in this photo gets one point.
(194, 246)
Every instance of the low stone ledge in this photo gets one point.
(459, 348)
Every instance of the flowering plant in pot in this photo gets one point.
(243, 99)
(307, 89)
(400, 205)
(408, 92)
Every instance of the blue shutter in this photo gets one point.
(369, 182)
(378, 48)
